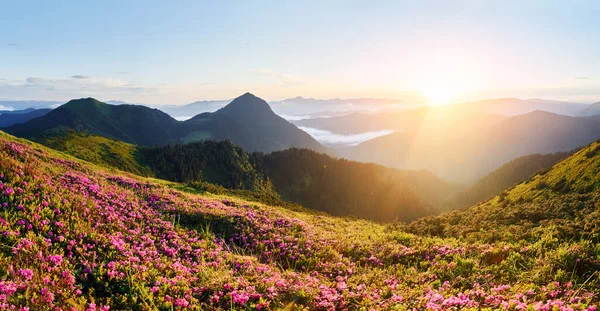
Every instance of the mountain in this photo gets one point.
(129, 123)
(299, 176)
(559, 203)
(247, 122)
(17, 111)
(353, 123)
(592, 110)
(301, 107)
(9, 118)
(516, 106)
(185, 112)
(81, 237)
(503, 178)
(464, 148)
(341, 187)
(28, 104)
(257, 117)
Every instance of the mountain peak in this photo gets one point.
(88, 100)
(247, 105)
(248, 96)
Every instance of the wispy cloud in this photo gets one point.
(581, 78)
(123, 72)
(77, 85)
(14, 44)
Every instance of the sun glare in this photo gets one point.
(443, 91)
(439, 94)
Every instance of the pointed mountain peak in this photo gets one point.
(246, 106)
(248, 99)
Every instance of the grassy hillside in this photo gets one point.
(99, 150)
(560, 203)
(298, 176)
(76, 236)
(505, 177)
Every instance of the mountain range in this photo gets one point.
(247, 121)
(8, 118)
(464, 146)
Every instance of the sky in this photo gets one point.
(175, 52)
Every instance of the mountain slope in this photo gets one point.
(20, 116)
(342, 187)
(592, 110)
(562, 202)
(256, 115)
(245, 121)
(129, 123)
(299, 176)
(77, 237)
(503, 178)
(467, 148)
(219, 163)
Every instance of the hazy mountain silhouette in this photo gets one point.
(592, 110)
(8, 118)
(407, 119)
(466, 147)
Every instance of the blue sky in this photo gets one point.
(172, 52)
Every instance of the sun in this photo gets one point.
(440, 94)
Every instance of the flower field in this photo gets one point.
(74, 236)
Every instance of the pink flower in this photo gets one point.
(26, 274)
(180, 302)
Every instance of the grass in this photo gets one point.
(77, 235)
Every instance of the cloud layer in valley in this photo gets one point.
(332, 139)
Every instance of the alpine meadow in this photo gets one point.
(300, 155)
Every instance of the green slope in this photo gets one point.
(505, 177)
(559, 203)
(298, 176)
(76, 236)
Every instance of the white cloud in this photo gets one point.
(6, 108)
(183, 118)
(333, 139)
(294, 118)
(78, 85)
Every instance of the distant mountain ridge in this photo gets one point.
(247, 122)
(465, 147)
(8, 118)
(592, 110)
(355, 122)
